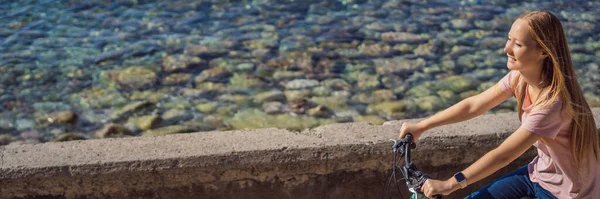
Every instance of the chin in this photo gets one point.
(511, 66)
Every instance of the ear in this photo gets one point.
(543, 55)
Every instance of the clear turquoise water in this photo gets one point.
(206, 65)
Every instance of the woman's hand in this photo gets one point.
(416, 129)
(433, 187)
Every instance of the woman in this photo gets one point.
(554, 114)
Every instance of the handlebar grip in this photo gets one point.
(439, 196)
(408, 137)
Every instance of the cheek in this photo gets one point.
(521, 53)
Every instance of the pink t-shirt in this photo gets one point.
(552, 167)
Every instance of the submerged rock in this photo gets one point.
(273, 107)
(146, 122)
(168, 130)
(182, 62)
(175, 116)
(208, 107)
(129, 110)
(5, 139)
(299, 84)
(69, 137)
(135, 78)
(63, 117)
(113, 130)
(214, 75)
(392, 109)
(176, 78)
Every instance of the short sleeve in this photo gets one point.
(546, 122)
(505, 82)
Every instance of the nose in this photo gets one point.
(507, 47)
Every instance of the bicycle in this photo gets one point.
(413, 177)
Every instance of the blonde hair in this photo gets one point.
(559, 82)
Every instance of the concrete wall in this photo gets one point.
(334, 161)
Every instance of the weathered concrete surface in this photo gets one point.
(335, 161)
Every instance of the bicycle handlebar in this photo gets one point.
(414, 178)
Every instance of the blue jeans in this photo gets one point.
(515, 185)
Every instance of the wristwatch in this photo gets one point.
(461, 179)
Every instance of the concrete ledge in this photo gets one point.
(335, 161)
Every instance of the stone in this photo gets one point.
(208, 107)
(198, 124)
(174, 116)
(63, 117)
(367, 81)
(130, 109)
(151, 96)
(333, 102)
(456, 84)
(219, 75)
(374, 49)
(320, 111)
(403, 48)
(168, 130)
(262, 43)
(299, 84)
(461, 24)
(69, 137)
(204, 51)
(176, 79)
(292, 95)
(404, 37)
(244, 81)
(135, 78)
(337, 84)
(273, 107)
(398, 65)
(146, 122)
(216, 122)
(392, 109)
(300, 105)
(113, 130)
(321, 91)
(198, 93)
(287, 75)
(243, 67)
(5, 139)
(269, 96)
(430, 103)
(213, 86)
(181, 62)
(98, 98)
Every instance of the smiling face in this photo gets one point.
(523, 52)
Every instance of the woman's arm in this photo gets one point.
(468, 108)
(513, 147)
(464, 110)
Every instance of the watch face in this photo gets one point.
(459, 177)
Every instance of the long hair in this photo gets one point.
(559, 82)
